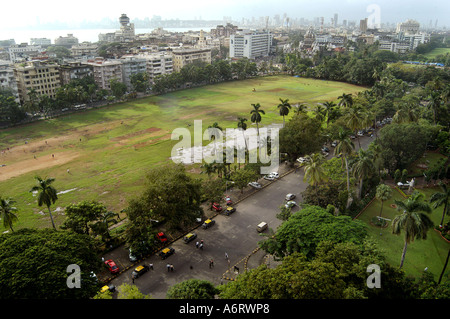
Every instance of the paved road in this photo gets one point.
(235, 235)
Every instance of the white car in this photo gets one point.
(269, 177)
(275, 174)
(290, 196)
(290, 204)
(302, 160)
(255, 184)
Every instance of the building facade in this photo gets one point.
(7, 80)
(182, 57)
(250, 44)
(132, 65)
(21, 52)
(74, 70)
(104, 71)
(67, 42)
(41, 77)
(158, 63)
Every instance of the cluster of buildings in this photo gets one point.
(25, 67)
(406, 37)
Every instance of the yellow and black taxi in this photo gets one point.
(166, 252)
(110, 288)
(208, 223)
(229, 210)
(140, 270)
(189, 237)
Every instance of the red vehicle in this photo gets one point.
(112, 267)
(216, 207)
(162, 237)
(228, 200)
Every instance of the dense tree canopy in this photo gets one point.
(33, 264)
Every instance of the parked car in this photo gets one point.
(269, 177)
(189, 237)
(166, 252)
(325, 149)
(302, 160)
(216, 207)
(112, 267)
(111, 288)
(230, 210)
(275, 174)
(290, 196)
(255, 184)
(208, 223)
(290, 204)
(162, 237)
(228, 200)
(334, 143)
(140, 270)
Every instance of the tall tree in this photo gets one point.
(284, 108)
(314, 171)
(413, 222)
(383, 193)
(441, 198)
(256, 115)
(47, 194)
(362, 168)
(7, 212)
(344, 148)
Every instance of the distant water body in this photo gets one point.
(90, 35)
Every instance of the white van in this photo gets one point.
(261, 227)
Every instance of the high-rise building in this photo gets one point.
(363, 25)
(67, 42)
(20, 52)
(250, 44)
(408, 27)
(335, 21)
(132, 65)
(158, 63)
(7, 80)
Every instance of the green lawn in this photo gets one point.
(428, 160)
(435, 52)
(429, 253)
(109, 150)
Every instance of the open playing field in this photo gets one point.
(103, 154)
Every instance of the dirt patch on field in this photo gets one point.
(34, 164)
(130, 135)
(153, 141)
(276, 90)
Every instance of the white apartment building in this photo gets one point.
(73, 70)
(84, 49)
(158, 63)
(20, 52)
(132, 65)
(105, 70)
(250, 44)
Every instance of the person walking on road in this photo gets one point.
(196, 244)
(226, 256)
(168, 267)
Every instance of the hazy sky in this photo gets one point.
(29, 12)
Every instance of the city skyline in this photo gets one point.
(32, 14)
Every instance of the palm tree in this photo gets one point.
(215, 125)
(47, 194)
(435, 103)
(7, 212)
(329, 107)
(344, 148)
(383, 193)
(355, 118)
(362, 168)
(102, 226)
(242, 125)
(300, 108)
(320, 112)
(345, 100)
(256, 115)
(412, 221)
(209, 168)
(284, 108)
(441, 198)
(314, 171)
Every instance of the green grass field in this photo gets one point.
(429, 253)
(434, 53)
(109, 150)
